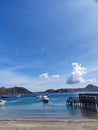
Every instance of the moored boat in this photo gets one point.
(39, 96)
(19, 95)
(45, 99)
(3, 96)
(2, 102)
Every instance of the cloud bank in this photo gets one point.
(76, 75)
(55, 76)
(46, 76)
(91, 80)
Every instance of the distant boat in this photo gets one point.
(4, 96)
(45, 99)
(19, 95)
(39, 96)
(2, 102)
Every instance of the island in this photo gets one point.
(14, 90)
(22, 90)
(88, 88)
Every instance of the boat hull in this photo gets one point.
(2, 102)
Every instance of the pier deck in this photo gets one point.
(85, 100)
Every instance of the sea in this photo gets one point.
(28, 107)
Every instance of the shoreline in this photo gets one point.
(50, 120)
(48, 124)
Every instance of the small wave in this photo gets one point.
(12, 101)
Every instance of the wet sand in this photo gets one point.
(49, 124)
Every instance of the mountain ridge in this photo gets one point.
(14, 90)
(22, 90)
(88, 88)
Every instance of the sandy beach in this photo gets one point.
(49, 124)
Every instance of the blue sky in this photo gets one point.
(48, 44)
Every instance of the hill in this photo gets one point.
(88, 88)
(22, 90)
(14, 90)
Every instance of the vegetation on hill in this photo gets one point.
(14, 90)
(88, 88)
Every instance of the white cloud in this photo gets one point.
(55, 76)
(12, 77)
(44, 76)
(91, 80)
(76, 75)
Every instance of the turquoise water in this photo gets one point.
(28, 106)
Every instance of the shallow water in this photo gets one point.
(28, 106)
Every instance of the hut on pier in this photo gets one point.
(84, 99)
(88, 98)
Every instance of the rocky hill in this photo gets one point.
(14, 90)
(88, 88)
(22, 90)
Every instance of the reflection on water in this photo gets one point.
(83, 111)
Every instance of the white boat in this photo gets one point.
(19, 95)
(2, 102)
(45, 99)
(39, 96)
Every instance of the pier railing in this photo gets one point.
(84, 100)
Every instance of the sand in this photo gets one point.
(49, 124)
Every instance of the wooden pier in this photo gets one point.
(84, 100)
